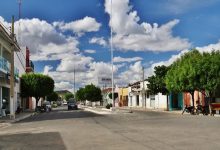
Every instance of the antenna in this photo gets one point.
(19, 24)
(19, 5)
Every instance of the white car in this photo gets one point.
(65, 103)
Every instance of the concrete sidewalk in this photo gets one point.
(98, 110)
(6, 121)
(148, 110)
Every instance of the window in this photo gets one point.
(148, 94)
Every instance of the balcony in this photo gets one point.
(4, 65)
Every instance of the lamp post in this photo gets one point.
(143, 91)
(112, 58)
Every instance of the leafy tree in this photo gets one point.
(209, 74)
(92, 93)
(195, 71)
(183, 75)
(67, 96)
(36, 85)
(156, 83)
(80, 94)
(115, 95)
(52, 97)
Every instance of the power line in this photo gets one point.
(21, 61)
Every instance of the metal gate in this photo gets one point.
(152, 101)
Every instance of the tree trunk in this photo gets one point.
(193, 102)
(210, 103)
(210, 106)
(37, 100)
(192, 94)
(167, 102)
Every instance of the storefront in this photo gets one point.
(4, 99)
(176, 101)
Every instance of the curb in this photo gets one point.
(23, 117)
(149, 110)
(19, 118)
(97, 112)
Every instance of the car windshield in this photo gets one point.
(71, 99)
(72, 102)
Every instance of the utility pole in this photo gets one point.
(143, 91)
(113, 100)
(12, 105)
(74, 80)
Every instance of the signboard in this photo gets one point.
(104, 80)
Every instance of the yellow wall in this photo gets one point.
(123, 92)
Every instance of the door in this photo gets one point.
(137, 100)
(152, 101)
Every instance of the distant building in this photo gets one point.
(138, 96)
(62, 93)
(30, 102)
(106, 98)
(123, 96)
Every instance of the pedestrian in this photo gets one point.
(4, 102)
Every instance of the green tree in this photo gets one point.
(36, 85)
(209, 74)
(52, 97)
(80, 95)
(67, 96)
(156, 83)
(115, 95)
(183, 76)
(92, 93)
(195, 71)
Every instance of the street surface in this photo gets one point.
(83, 130)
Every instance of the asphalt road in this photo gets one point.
(81, 130)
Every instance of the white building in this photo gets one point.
(138, 97)
(8, 100)
(20, 69)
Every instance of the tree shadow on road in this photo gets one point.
(33, 141)
(60, 114)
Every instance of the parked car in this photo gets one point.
(64, 103)
(54, 104)
(46, 106)
(72, 105)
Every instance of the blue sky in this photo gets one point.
(75, 34)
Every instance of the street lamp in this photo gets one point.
(112, 58)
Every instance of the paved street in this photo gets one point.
(81, 130)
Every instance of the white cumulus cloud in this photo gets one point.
(130, 34)
(63, 85)
(90, 51)
(98, 40)
(121, 59)
(47, 68)
(44, 41)
(76, 62)
(87, 24)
